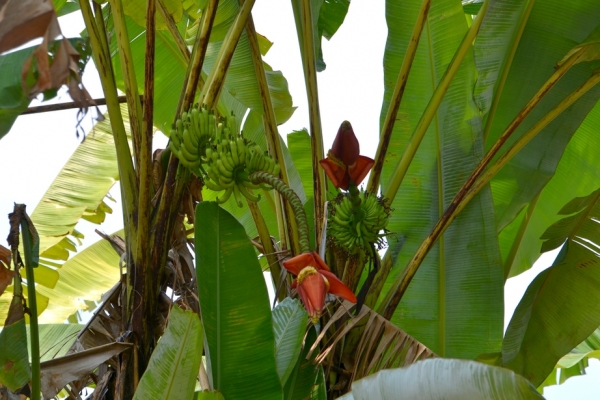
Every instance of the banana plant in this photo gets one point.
(488, 114)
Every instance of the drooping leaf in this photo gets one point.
(553, 317)
(459, 284)
(289, 324)
(235, 308)
(443, 379)
(534, 62)
(85, 276)
(56, 339)
(174, 365)
(521, 242)
(58, 372)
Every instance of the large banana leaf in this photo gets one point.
(174, 365)
(521, 241)
(538, 52)
(85, 276)
(454, 304)
(443, 379)
(76, 193)
(553, 317)
(235, 308)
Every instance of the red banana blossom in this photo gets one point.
(314, 280)
(344, 161)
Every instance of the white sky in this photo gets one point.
(351, 88)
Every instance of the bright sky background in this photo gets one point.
(351, 88)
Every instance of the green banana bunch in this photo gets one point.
(351, 229)
(230, 161)
(192, 133)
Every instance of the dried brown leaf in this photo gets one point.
(22, 21)
(6, 277)
(5, 256)
(381, 344)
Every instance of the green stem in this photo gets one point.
(268, 249)
(392, 111)
(393, 297)
(272, 134)
(129, 184)
(215, 80)
(32, 305)
(292, 199)
(172, 189)
(304, 25)
(131, 89)
(434, 103)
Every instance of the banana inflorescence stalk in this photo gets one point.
(216, 152)
(261, 178)
(356, 221)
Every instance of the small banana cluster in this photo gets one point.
(353, 229)
(230, 162)
(215, 151)
(192, 133)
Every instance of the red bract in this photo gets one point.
(314, 280)
(344, 161)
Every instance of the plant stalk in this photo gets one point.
(172, 189)
(392, 112)
(272, 134)
(129, 184)
(131, 89)
(431, 109)
(145, 278)
(269, 250)
(215, 80)
(32, 305)
(294, 201)
(393, 297)
(306, 41)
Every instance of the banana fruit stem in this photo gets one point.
(292, 199)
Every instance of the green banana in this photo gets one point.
(226, 196)
(246, 193)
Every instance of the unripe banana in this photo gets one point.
(222, 170)
(237, 196)
(246, 193)
(213, 186)
(190, 141)
(234, 152)
(226, 196)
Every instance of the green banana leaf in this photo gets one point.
(446, 379)
(553, 317)
(289, 324)
(534, 62)
(55, 339)
(521, 241)
(454, 304)
(574, 363)
(85, 276)
(174, 365)
(331, 17)
(235, 308)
